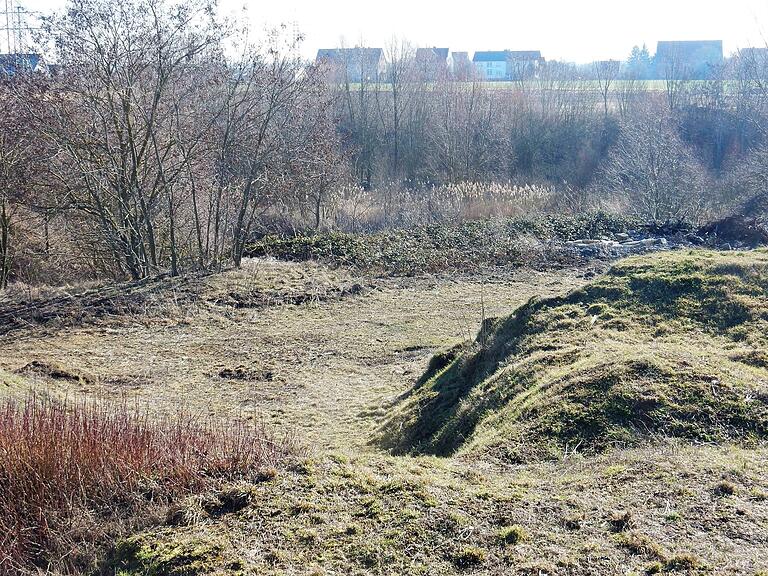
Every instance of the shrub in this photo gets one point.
(725, 488)
(638, 543)
(469, 246)
(77, 474)
(682, 562)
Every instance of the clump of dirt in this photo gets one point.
(656, 347)
(246, 374)
(54, 372)
(259, 299)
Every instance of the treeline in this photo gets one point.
(558, 129)
(170, 139)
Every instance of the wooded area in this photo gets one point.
(169, 138)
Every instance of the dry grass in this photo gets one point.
(327, 367)
(332, 367)
(459, 202)
(379, 515)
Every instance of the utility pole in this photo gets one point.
(8, 25)
(17, 28)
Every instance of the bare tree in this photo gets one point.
(170, 144)
(360, 85)
(394, 103)
(273, 101)
(630, 90)
(20, 167)
(653, 172)
(678, 78)
(116, 110)
(606, 72)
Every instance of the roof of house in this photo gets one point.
(490, 56)
(707, 50)
(10, 64)
(349, 53)
(525, 55)
(505, 55)
(423, 54)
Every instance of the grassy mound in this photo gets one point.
(663, 345)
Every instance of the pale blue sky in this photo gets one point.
(582, 30)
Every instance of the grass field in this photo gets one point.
(332, 355)
(568, 85)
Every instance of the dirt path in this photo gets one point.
(324, 368)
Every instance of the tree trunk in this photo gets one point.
(172, 225)
(5, 256)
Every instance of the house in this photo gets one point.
(15, 64)
(508, 64)
(432, 55)
(353, 64)
(491, 65)
(432, 63)
(461, 66)
(688, 59)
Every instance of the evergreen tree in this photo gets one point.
(639, 63)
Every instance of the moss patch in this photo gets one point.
(145, 556)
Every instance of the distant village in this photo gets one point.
(683, 59)
(679, 59)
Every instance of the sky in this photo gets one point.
(571, 30)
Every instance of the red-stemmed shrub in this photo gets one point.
(75, 474)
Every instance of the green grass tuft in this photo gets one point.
(469, 556)
(510, 535)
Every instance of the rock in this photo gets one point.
(591, 248)
(589, 242)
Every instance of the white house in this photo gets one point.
(507, 64)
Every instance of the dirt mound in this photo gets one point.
(258, 284)
(146, 298)
(656, 347)
(53, 371)
(737, 230)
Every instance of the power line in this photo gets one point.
(17, 30)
